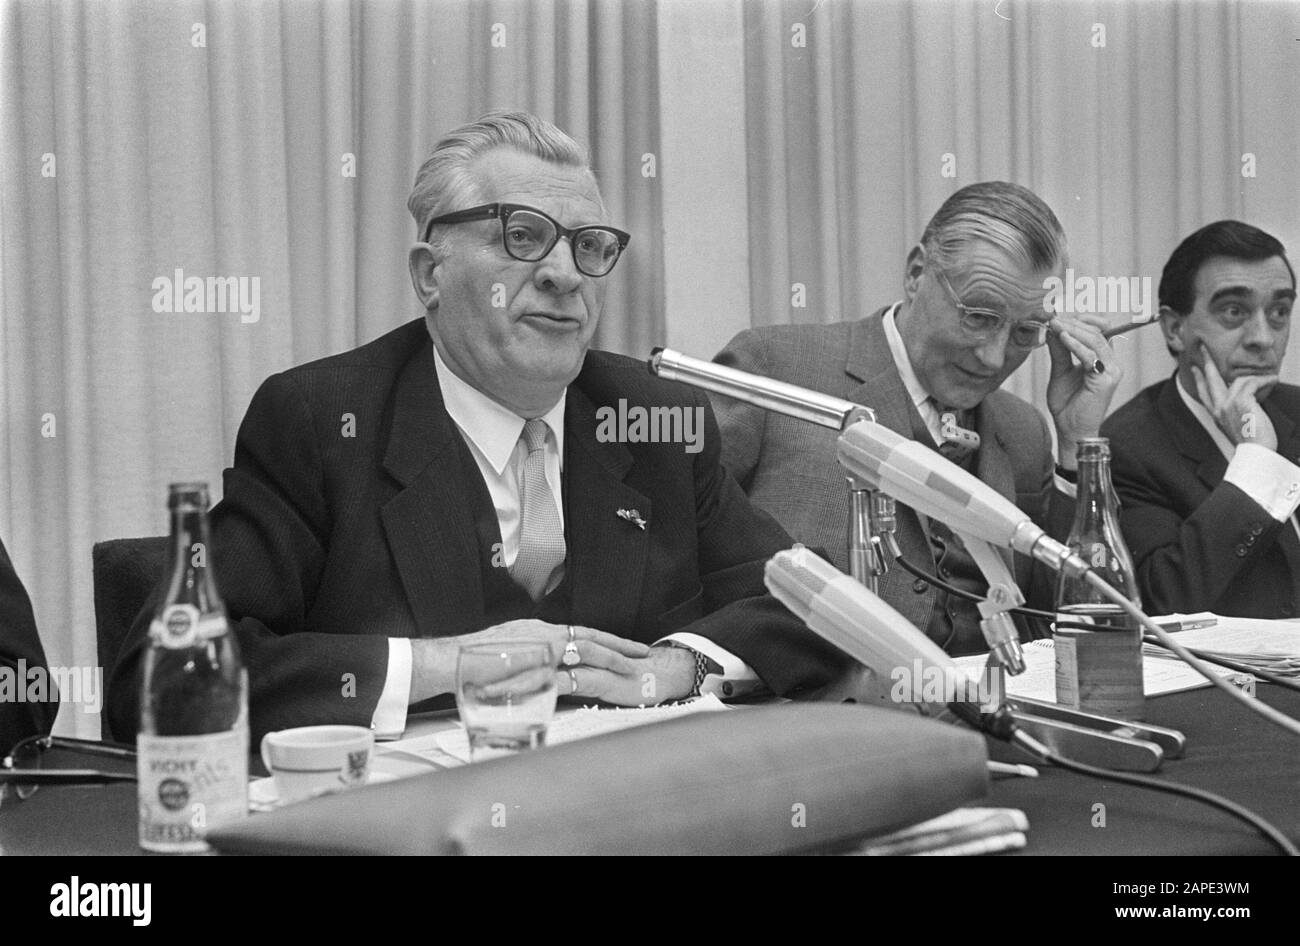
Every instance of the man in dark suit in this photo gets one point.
(1205, 463)
(453, 482)
(20, 653)
(930, 365)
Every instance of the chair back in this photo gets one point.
(125, 571)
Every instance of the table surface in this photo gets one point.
(1230, 751)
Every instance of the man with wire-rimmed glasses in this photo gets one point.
(930, 365)
(447, 483)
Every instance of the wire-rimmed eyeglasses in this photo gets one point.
(985, 323)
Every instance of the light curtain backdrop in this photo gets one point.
(747, 146)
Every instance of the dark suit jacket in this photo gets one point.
(326, 544)
(19, 641)
(788, 466)
(1200, 544)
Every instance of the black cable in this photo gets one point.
(1280, 840)
(1001, 724)
(1046, 616)
(970, 596)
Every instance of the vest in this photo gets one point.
(503, 599)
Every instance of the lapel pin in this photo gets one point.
(632, 516)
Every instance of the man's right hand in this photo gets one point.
(1235, 407)
(433, 660)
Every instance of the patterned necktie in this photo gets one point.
(956, 440)
(540, 562)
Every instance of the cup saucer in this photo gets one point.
(262, 794)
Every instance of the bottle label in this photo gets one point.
(181, 625)
(189, 785)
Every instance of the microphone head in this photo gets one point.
(921, 478)
(862, 625)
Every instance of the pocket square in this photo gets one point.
(632, 516)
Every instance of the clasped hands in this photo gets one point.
(612, 668)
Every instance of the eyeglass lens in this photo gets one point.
(530, 236)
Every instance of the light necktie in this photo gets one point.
(541, 537)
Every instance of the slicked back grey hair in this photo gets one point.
(444, 183)
(1009, 216)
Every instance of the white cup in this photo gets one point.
(317, 760)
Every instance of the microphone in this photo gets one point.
(919, 477)
(843, 612)
(778, 396)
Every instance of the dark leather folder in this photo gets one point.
(764, 780)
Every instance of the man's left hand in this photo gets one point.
(1078, 394)
(668, 673)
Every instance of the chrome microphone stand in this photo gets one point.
(872, 545)
(870, 511)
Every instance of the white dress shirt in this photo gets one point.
(1264, 475)
(492, 434)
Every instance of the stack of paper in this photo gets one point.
(959, 832)
(1269, 645)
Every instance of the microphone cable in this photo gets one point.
(1147, 638)
(1001, 725)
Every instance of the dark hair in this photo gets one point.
(1230, 238)
(1007, 215)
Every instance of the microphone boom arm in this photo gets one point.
(871, 512)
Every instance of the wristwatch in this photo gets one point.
(702, 665)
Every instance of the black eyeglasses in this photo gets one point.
(529, 235)
(985, 323)
(21, 772)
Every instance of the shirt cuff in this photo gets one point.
(1266, 477)
(389, 720)
(736, 679)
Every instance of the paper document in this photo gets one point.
(585, 722)
(1038, 682)
(1269, 645)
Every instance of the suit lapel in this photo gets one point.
(873, 377)
(429, 525)
(1191, 439)
(1288, 437)
(606, 552)
(875, 383)
(1288, 446)
(993, 463)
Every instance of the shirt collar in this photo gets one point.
(918, 394)
(1206, 420)
(493, 428)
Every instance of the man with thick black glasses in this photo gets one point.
(930, 365)
(446, 484)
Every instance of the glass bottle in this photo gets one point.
(192, 748)
(1098, 670)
